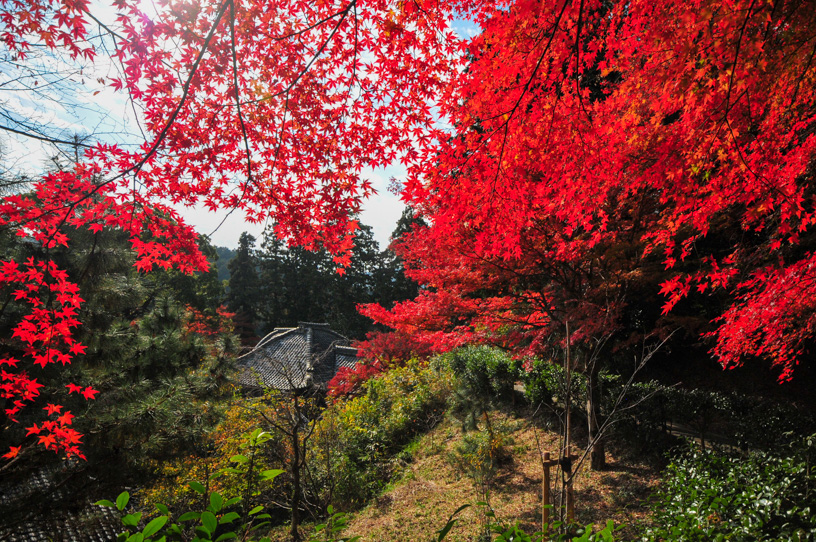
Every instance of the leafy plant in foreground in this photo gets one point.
(216, 519)
(709, 496)
(514, 533)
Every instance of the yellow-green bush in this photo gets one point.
(356, 440)
(170, 486)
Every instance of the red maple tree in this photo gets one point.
(563, 111)
(273, 108)
(681, 113)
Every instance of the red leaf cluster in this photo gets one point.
(565, 129)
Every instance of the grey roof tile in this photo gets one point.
(296, 358)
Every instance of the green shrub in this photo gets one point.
(484, 371)
(354, 449)
(710, 496)
(750, 423)
(544, 383)
(215, 518)
(480, 453)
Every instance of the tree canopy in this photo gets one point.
(561, 130)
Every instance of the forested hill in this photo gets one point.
(273, 285)
(224, 256)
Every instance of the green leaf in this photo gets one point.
(189, 515)
(122, 500)
(228, 518)
(137, 537)
(105, 502)
(443, 532)
(216, 503)
(255, 510)
(163, 509)
(209, 521)
(232, 501)
(226, 536)
(271, 474)
(238, 458)
(132, 520)
(197, 487)
(154, 526)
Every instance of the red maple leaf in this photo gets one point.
(48, 440)
(12, 453)
(66, 418)
(73, 388)
(89, 392)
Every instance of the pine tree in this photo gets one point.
(244, 289)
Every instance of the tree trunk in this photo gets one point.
(597, 452)
(295, 517)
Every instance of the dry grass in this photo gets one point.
(431, 488)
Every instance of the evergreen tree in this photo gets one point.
(273, 303)
(158, 351)
(243, 297)
(305, 285)
(391, 283)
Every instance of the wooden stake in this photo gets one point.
(546, 500)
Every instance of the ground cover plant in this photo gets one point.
(717, 496)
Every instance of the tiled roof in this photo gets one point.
(72, 520)
(296, 358)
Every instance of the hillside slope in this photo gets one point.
(431, 487)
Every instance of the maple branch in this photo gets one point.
(184, 93)
(736, 58)
(238, 93)
(529, 82)
(302, 73)
(45, 138)
(103, 26)
(344, 13)
(578, 59)
(505, 126)
(136, 168)
(617, 408)
(249, 178)
(804, 72)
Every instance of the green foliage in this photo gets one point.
(751, 423)
(301, 285)
(157, 371)
(711, 496)
(544, 382)
(336, 523)
(244, 289)
(484, 378)
(224, 256)
(499, 531)
(484, 371)
(213, 524)
(216, 518)
(355, 442)
(480, 454)
(236, 449)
